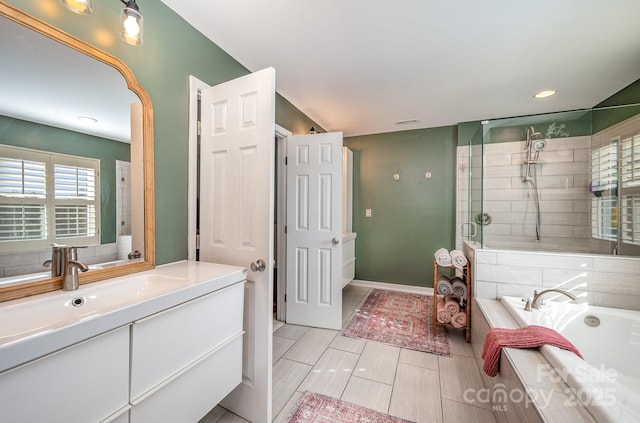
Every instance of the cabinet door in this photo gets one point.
(190, 395)
(86, 382)
(166, 343)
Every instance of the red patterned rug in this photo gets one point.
(401, 319)
(316, 408)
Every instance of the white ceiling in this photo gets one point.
(358, 66)
(44, 81)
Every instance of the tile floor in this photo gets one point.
(405, 383)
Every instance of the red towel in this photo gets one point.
(527, 337)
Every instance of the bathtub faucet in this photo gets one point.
(537, 298)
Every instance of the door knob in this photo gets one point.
(335, 241)
(258, 265)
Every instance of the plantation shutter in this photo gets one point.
(47, 198)
(22, 199)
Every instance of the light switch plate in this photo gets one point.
(367, 213)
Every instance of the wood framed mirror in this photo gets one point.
(142, 222)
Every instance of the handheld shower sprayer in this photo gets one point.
(534, 145)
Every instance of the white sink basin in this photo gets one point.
(38, 315)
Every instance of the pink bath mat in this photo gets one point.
(316, 408)
(401, 319)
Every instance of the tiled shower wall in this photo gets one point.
(123, 197)
(601, 280)
(562, 179)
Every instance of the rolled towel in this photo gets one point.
(442, 257)
(442, 315)
(459, 320)
(452, 305)
(458, 259)
(459, 288)
(444, 286)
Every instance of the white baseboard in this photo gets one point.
(422, 290)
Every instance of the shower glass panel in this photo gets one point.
(476, 170)
(559, 182)
(538, 189)
(469, 184)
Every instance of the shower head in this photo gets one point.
(533, 135)
(539, 145)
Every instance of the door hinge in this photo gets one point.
(285, 298)
(286, 160)
(198, 242)
(199, 127)
(285, 229)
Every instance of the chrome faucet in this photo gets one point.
(55, 263)
(70, 267)
(537, 298)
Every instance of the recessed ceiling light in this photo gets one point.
(87, 119)
(545, 93)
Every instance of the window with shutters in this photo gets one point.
(604, 183)
(630, 161)
(47, 198)
(630, 225)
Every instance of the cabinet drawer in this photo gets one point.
(191, 395)
(86, 382)
(166, 343)
(348, 250)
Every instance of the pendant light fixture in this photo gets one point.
(131, 23)
(81, 7)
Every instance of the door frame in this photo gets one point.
(281, 220)
(195, 86)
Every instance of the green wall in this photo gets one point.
(25, 134)
(172, 51)
(411, 217)
(616, 108)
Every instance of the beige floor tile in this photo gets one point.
(229, 417)
(456, 412)
(419, 359)
(280, 346)
(457, 375)
(345, 343)
(378, 362)
(311, 345)
(294, 332)
(458, 342)
(352, 298)
(282, 416)
(287, 376)
(416, 395)
(214, 415)
(331, 373)
(368, 393)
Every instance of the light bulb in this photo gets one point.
(131, 27)
(81, 7)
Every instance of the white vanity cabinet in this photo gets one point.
(165, 345)
(188, 358)
(86, 382)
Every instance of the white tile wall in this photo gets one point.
(123, 197)
(607, 281)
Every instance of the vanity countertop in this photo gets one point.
(35, 326)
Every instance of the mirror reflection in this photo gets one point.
(68, 123)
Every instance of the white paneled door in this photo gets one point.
(236, 217)
(314, 230)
